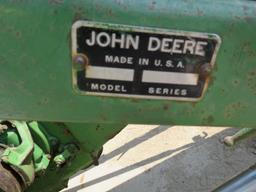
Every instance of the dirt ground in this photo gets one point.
(153, 158)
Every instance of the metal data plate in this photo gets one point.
(128, 61)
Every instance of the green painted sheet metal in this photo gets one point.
(36, 79)
(35, 60)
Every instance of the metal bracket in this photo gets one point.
(17, 155)
(67, 154)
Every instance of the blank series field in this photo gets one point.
(170, 77)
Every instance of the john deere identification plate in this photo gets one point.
(128, 61)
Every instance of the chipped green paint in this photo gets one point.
(36, 77)
(35, 53)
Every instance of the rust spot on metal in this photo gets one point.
(140, 110)
(253, 73)
(208, 75)
(248, 19)
(121, 3)
(103, 117)
(233, 108)
(193, 104)
(134, 100)
(231, 29)
(202, 111)
(165, 107)
(79, 13)
(227, 115)
(152, 5)
(56, 2)
(64, 127)
(235, 82)
(247, 48)
(66, 132)
(110, 12)
(188, 112)
(205, 70)
(251, 81)
(97, 127)
(236, 105)
(199, 12)
(211, 80)
(43, 101)
(208, 119)
(18, 34)
(55, 12)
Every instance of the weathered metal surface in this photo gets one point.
(35, 57)
(36, 77)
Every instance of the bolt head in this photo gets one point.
(205, 70)
(80, 61)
